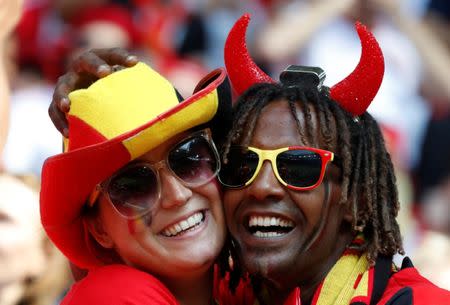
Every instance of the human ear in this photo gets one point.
(96, 228)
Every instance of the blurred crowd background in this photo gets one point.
(184, 40)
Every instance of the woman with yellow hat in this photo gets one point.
(133, 198)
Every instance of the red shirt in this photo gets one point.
(409, 287)
(118, 285)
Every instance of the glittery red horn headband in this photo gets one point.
(242, 70)
(354, 93)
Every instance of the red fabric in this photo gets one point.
(424, 292)
(82, 134)
(121, 284)
(242, 296)
(118, 284)
(294, 298)
(67, 180)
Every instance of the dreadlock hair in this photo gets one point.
(368, 180)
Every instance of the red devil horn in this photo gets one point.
(241, 69)
(356, 91)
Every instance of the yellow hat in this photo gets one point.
(115, 120)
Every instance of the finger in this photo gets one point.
(59, 119)
(64, 85)
(85, 80)
(60, 101)
(90, 63)
(116, 56)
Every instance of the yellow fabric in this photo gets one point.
(363, 286)
(195, 114)
(338, 286)
(113, 105)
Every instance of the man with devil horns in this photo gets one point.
(310, 196)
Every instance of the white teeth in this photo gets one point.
(178, 228)
(267, 221)
(267, 234)
(183, 225)
(260, 221)
(195, 219)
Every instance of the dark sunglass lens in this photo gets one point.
(134, 190)
(300, 168)
(240, 167)
(194, 161)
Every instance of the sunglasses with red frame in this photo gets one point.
(296, 167)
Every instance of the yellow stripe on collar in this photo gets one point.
(348, 279)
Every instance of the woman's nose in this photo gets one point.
(173, 192)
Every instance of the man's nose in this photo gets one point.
(266, 184)
(173, 192)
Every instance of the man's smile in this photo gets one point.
(266, 226)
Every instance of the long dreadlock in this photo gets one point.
(368, 180)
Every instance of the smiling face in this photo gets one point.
(181, 236)
(304, 231)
